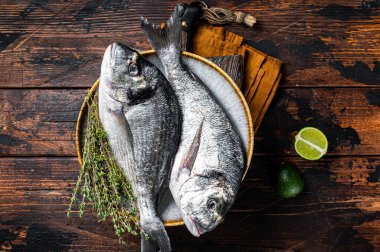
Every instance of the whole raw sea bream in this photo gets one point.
(140, 113)
(210, 161)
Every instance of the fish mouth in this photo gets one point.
(106, 62)
(110, 52)
(105, 75)
(194, 228)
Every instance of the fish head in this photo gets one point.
(125, 75)
(204, 201)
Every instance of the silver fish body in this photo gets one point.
(140, 113)
(210, 161)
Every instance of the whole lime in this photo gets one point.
(289, 181)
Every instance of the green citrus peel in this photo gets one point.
(289, 181)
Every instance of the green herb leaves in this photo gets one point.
(101, 182)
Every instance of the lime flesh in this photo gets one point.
(311, 143)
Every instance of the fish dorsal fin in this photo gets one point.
(188, 159)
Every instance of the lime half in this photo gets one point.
(311, 143)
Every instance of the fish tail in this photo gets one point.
(157, 237)
(167, 38)
(162, 239)
(147, 245)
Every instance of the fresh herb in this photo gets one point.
(102, 182)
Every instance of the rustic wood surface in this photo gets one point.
(50, 53)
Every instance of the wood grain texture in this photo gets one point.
(42, 122)
(50, 53)
(341, 193)
(55, 44)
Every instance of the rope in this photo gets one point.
(218, 16)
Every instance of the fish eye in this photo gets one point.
(133, 69)
(211, 204)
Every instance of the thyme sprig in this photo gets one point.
(102, 182)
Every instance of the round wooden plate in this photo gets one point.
(224, 90)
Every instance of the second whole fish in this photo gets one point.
(210, 161)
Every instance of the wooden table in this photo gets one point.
(50, 54)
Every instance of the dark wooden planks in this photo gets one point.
(39, 122)
(42, 122)
(61, 44)
(340, 199)
(34, 196)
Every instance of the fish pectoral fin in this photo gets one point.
(194, 76)
(191, 155)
